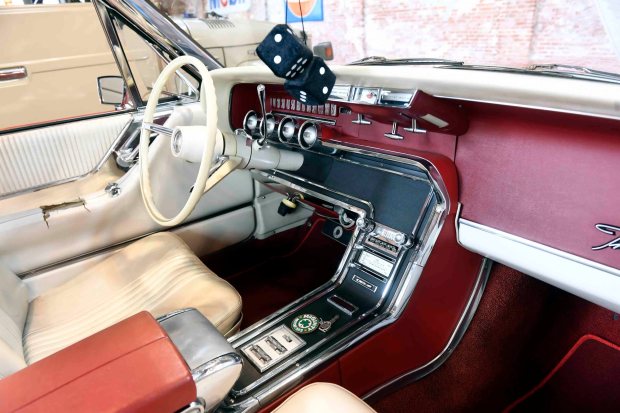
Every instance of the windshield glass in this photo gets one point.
(506, 33)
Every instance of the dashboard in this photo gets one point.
(534, 180)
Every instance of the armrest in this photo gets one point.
(131, 366)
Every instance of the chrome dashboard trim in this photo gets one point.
(305, 118)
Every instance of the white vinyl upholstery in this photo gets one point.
(158, 274)
(13, 310)
(322, 398)
(44, 155)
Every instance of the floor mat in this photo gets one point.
(272, 273)
(585, 380)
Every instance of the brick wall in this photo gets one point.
(496, 32)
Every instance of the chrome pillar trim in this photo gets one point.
(455, 338)
(217, 364)
(13, 73)
(143, 15)
(119, 55)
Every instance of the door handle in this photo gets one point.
(13, 73)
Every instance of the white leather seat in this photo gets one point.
(322, 398)
(158, 274)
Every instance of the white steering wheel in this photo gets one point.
(209, 107)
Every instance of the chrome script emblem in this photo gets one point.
(609, 230)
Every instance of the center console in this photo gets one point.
(397, 209)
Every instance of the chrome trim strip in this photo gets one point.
(455, 338)
(215, 365)
(13, 73)
(306, 118)
(371, 209)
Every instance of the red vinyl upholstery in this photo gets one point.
(132, 366)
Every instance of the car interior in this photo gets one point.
(424, 238)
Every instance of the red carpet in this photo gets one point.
(521, 331)
(272, 273)
(585, 380)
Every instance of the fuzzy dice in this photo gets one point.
(284, 53)
(313, 85)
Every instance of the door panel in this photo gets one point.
(39, 157)
(38, 240)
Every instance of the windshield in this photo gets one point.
(517, 34)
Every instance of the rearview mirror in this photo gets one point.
(324, 50)
(111, 90)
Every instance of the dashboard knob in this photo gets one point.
(364, 224)
(400, 238)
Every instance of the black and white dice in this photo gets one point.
(284, 53)
(313, 85)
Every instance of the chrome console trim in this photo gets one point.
(217, 364)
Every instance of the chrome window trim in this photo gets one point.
(160, 29)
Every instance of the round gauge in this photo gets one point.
(271, 123)
(250, 122)
(308, 135)
(286, 130)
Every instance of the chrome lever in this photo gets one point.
(414, 127)
(260, 89)
(154, 127)
(360, 120)
(394, 134)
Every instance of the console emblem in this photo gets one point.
(614, 244)
(305, 323)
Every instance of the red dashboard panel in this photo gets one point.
(547, 177)
(129, 367)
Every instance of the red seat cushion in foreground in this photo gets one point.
(129, 367)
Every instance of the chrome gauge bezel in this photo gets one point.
(281, 126)
(306, 125)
